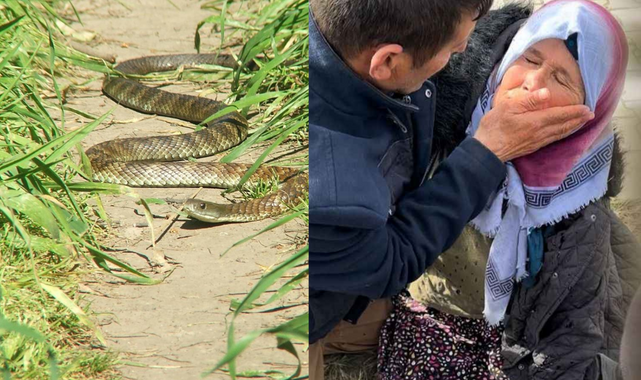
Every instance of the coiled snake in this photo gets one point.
(155, 161)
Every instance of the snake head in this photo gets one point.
(206, 211)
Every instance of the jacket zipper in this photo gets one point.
(411, 127)
(396, 121)
(408, 100)
(427, 171)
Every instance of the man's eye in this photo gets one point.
(530, 61)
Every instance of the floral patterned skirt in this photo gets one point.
(421, 343)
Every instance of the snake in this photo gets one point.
(162, 161)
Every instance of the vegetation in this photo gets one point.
(49, 231)
(45, 224)
(277, 39)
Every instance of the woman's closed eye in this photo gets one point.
(563, 81)
(556, 74)
(531, 61)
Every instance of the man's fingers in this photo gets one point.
(559, 115)
(560, 131)
(536, 100)
(571, 126)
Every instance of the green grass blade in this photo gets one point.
(280, 293)
(8, 25)
(94, 187)
(262, 157)
(296, 329)
(241, 104)
(64, 140)
(33, 208)
(7, 325)
(145, 280)
(277, 223)
(270, 278)
(59, 295)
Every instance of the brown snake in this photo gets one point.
(156, 161)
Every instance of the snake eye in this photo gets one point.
(202, 206)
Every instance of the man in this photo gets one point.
(376, 223)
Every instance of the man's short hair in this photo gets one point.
(422, 27)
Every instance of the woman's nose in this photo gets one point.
(535, 80)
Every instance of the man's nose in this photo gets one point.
(535, 80)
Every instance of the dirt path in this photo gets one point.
(175, 330)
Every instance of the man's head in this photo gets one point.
(398, 44)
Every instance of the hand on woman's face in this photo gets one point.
(546, 64)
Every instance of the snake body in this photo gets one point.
(156, 161)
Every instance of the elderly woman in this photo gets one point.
(540, 291)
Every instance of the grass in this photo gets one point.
(629, 210)
(259, 189)
(277, 40)
(361, 366)
(48, 230)
(46, 227)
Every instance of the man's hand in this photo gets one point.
(523, 125)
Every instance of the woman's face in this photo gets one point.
(546, 64)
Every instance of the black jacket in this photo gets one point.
(375, 222)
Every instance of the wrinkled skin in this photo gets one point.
(546, 81)
(546, 64)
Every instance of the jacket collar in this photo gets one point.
(338, 85)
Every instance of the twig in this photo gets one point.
(171, 220)
(83, 48)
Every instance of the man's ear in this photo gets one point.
(384, 60)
